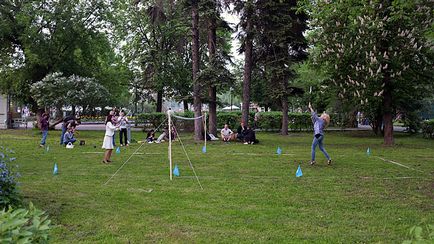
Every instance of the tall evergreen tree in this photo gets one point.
(280, 44)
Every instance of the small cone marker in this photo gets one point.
(298, 173)
(176, 170)
(55, 169)
(279, 151)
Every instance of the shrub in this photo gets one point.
(267, 120)
(9, 195)
(24, 225)
(428, 129)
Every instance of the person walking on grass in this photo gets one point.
(44, 128)
(108, 139)
(123, 121)
(319, 123)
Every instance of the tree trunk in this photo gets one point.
(387, 116)
(284, 130)
(159, 101)
(73, 111)
(198, 126)
(185, 105)
(212, 90)
(248, 63)
(376, 124)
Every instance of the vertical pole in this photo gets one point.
(170, 142)
(205, 128)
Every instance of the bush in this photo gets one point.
(428, 129)
(267, 120)
(24, 225)
(9, 195)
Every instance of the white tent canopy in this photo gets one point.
(233, 107)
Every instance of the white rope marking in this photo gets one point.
(189, 161)
(92, 152)
(393, 178)
(396, 163)
(123, 164)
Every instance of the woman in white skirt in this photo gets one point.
(108, 139)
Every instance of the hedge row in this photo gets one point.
(428, 129)
(266, 121)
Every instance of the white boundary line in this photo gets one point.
(396, 163)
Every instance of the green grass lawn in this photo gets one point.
(250, 193)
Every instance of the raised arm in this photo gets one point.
(313, 114)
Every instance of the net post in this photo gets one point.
(170, 142)
(205, 128)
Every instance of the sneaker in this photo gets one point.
(41, 145)
(252, 142)
(329, 162)
(246, 143)
(312, 162)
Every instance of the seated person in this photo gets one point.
(165, 135)
(68, 137)
(150, 137)
(226, 133)
(249, 136)
(241, 131)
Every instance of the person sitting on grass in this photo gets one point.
(319, 123)
(241, 131)
(164, 136)
(249, 136)
(68, 137)
(150, 137)
(226, 133)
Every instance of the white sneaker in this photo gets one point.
(246, 143)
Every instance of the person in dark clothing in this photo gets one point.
(44, 128)
(249, 136)
(150, 137)
(241, 131)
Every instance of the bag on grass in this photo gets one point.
(69, 145)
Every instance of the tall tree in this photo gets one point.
(217, 76)
(41, 37)
(280, 44)
(247, 24)
(212, 17)
(197, 102)
(376, 53)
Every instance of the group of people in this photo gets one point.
(245, 134)
(69, 124)
(150, 137)
(114, 122)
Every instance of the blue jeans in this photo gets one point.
(63, 133)
(44, 136)
(72, 140)
(318, 141)
(114, 144)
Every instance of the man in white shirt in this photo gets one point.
(226, 133)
